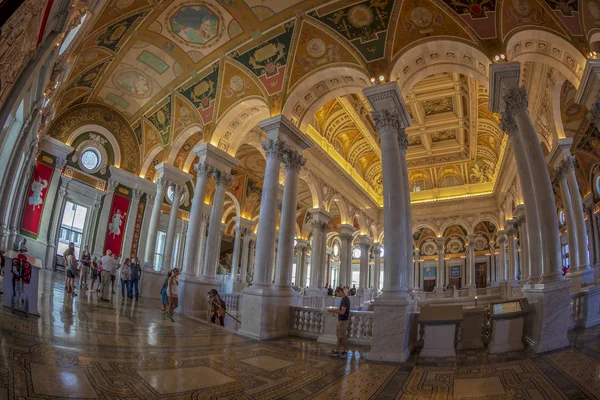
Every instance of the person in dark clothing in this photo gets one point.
(353, 290)
(329, 291)
(343, 314)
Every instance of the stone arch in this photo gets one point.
(439, 56)
(323, 86)
(235, 202)
(237, 122)
(312, 186)
(107, 117)
(374, 232)
(104, 132)
(427, 226)
(487, 218)
(541, 46)
(181, 139)
(146, 164)
(341, 206)
(594, 41)
(228, 211)
(447, 224)
(360, 221)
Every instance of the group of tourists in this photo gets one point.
(105, 270)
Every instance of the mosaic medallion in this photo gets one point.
(198, 24)
(134, 83)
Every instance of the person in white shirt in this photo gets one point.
(109, 268)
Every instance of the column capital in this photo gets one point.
(203, 170)
(515, 99)
(111, 185)
(243, 222)
(509, 227)
(55, 147)
(364, 241)
(292, 160)
(318, 214)
(172, 174)
(279, 128)
(60, 163)
(273, 148)
(222, 178)
(501, 237)
(301, 243)
(560, 151)
(215, 157)
(137, 194)
(503, 76)
(508, 123)
(387, 100)
(440, 243)
(471, 238)
(379, 246)
(346, 231)
(519, 213)
(402, 139)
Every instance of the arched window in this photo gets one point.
(450, 181)
(71, 35)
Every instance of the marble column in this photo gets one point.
(417, 266)
(527, 189)
(145, 226)
(195, 233)
(569, 218)
(391, 309)
(364, 243)
(471, 267)
(204, 218)
(292, 162)
(376, 266)
(252, 255)
(213, 240)
(524, 245)
(440, 267)
(130, 225)
(592, 235)
(154, 221)
(319, 224)
(57, 213)
(235, 259)
(582, 247)
(168, 259)
(245, 255)
(492, 274)
(301, 246)
(265, 241)
(346, 232)
(501, 266)
(516, 103)
(509, 228)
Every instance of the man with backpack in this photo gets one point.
(218, 308)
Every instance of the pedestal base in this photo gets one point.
(579, 277)
(193, 293)
(391, 327)
(548, 321)
(265, 313)
(589, 314)
(329, 335)
(438, 340)
(472, 329)
(507, 335)
(151, 283)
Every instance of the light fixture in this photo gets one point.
(502, 56)
(372, 80)
(497, 58)
(381, 78)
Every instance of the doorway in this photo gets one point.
(71, 228)
(481, 275)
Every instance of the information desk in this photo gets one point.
(507, 322)
(439, 325)
(21, 279)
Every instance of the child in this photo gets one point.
(71, 275)
(163, 294)
(94, 271)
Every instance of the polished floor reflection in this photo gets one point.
(84, 348)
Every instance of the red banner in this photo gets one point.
(36, 198)
(116, 224)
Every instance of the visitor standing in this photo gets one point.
(126, 279)
(353, 290)
(70, 251)
(86, 260)
(94, 272)
(136, 275)
(164, 299)
(109, 268)
(218, 308)
(173, 293)
(343, 313)
(70, 283)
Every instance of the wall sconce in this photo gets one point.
(498, 58)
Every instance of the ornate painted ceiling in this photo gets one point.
(186, 71)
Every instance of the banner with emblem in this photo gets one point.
(36, 198)
(116, 221)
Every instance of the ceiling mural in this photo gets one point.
(176, 68)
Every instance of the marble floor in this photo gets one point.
(84, 348)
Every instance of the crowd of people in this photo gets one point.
(106, 271)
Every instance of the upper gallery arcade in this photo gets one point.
(161, 128)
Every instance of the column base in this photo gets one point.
(579, 277)
(391, 328)
(439, 293)
(151, 283)
(547, 324)
(472, 290)
(265, 313)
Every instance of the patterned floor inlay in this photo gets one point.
(85, 349)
